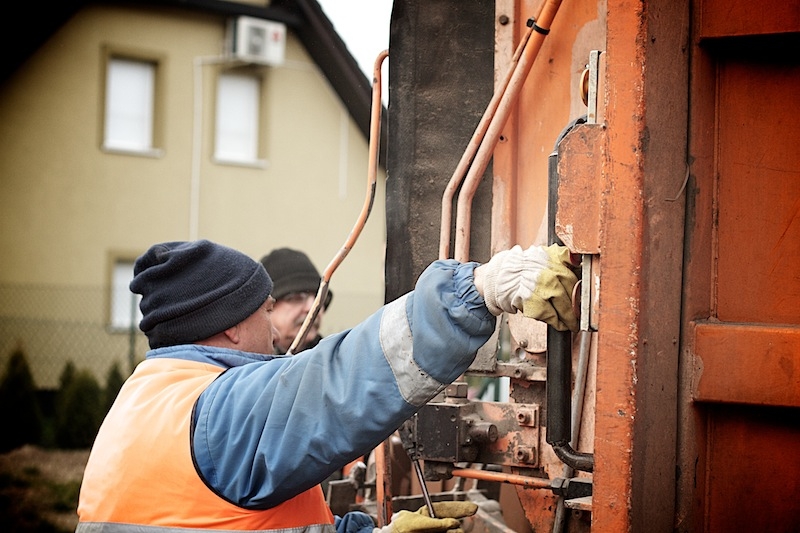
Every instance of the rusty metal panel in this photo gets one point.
(721, 18)
(550, 98)
(484, 432)
(751, 475)
(580, 167)
(744, 245)
(742, 363)
(759, 187)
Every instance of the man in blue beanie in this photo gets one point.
(212, 432)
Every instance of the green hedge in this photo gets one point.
(20, 415)
(79, 406)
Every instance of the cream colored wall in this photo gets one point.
(66, 207)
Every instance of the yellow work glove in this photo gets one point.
(448, 515)
(537, 281)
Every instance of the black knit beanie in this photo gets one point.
(292, 271)
(194, 290)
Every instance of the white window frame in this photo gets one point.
(238, 119)
(124, 312)
(130, 106)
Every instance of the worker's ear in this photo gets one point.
(233, 334)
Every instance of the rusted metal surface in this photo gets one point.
(752, 462)
(723, 18)
(640, 265)
(528, 334)
(697, 300)
(746, 363)
(507, 104)
(739, 411)
(735, 190)
(758, 221)
(580, 166)
(383, 485)
(484, 432)
(548, 101)
(620, 269)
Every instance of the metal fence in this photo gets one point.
(54, 325)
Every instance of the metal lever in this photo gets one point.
(425, 494)
(406, 432)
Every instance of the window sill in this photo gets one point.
(255, 163)
(112, 329)
(150, 152)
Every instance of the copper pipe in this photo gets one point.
(372, 176)
(472, 148)
(470, 185)
(513, 479)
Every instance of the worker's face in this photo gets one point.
(288, 317)
(257, 331)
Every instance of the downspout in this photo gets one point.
(197, 141)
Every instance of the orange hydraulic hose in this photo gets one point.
(541, 28)
(472, 148)
(372, 176)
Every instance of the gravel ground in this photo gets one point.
(36, 481)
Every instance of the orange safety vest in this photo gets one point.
(140, 469)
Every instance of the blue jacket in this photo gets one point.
(271, 427)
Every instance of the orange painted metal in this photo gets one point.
(720, 18)
(758, 225)
(751, 470)
(741, 422)
(383, 484)
(495, 128)
(622, 241)
(739, 186)
(747, 363)
(548, 101)
(580, 185)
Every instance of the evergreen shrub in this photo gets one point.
(21, 420)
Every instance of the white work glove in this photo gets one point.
(537, 281)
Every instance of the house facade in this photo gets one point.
(132, 124)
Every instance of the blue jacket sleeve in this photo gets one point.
(267, 431)
(354, 522)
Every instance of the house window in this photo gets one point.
(129, 105)
(237, 118)
(125, 311)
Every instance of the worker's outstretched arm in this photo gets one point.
(268, 430)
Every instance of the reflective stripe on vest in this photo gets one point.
(108, 527)
(140, 470)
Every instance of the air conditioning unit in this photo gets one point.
(257, 40)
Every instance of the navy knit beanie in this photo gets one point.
(194, 290)
(292, 271)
